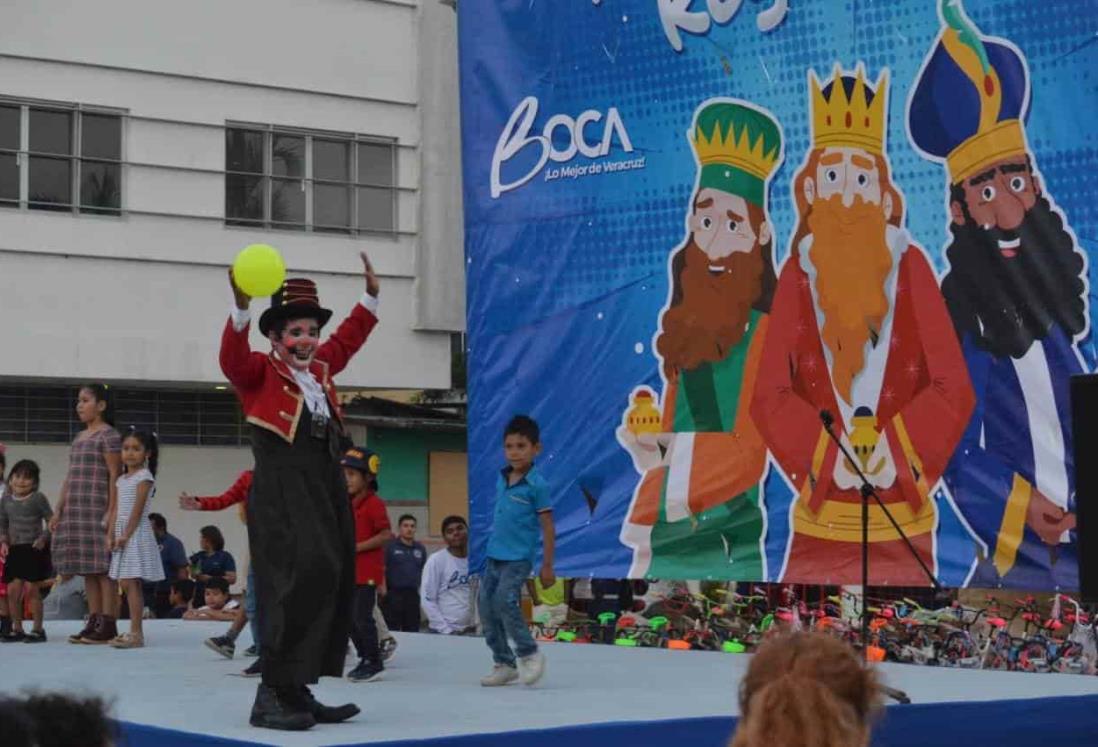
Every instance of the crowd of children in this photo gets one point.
(103, 529)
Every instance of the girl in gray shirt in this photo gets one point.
(24, 536)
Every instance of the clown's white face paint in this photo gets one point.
(298, 342)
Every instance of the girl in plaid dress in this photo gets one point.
(136, 556)
(82, 526)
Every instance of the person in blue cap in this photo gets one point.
(1016, 290)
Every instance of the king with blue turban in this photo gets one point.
(1016, 291)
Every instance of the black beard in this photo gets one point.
(1006, 304)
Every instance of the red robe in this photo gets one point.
(924, 404)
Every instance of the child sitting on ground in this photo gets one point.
(182, 591)
(219, 605)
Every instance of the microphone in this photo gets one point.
(827, 418)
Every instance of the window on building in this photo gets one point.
(60, 158)
(309, 181)
(47, 414)
(10, 128)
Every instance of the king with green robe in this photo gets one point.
(697, 510)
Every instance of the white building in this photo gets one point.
(142, 144)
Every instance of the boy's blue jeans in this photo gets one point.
(501, 611)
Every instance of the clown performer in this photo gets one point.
(697, 510)
(1016, 289)
(858, 328)
(300, 529)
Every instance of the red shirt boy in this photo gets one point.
(372, 528)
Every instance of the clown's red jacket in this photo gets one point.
(268, 393)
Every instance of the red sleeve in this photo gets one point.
(379, 517)
(242, 367)
(237, 493)
(935, 419)
(338, 349)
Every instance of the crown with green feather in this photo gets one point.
(738, 147)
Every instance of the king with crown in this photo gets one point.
(858, 328)
(697, 510)
(1016, 289)
(300, 527)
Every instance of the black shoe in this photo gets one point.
(366, 671)
(13, 636)
(222, 645)
(254, 669)
(326, 714)
(35, 636)
(5, 625)
(274, 710)
(252, 651)
(388, 648)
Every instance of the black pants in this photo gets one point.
(401, 610)
(363, 627)
(301, 535)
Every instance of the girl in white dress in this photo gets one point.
(135, 556)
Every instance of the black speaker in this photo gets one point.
(1084, 429)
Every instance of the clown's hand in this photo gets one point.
(373, 285)
(242, 299)
(643, 448)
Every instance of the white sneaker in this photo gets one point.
(501, 675)
(531, 668)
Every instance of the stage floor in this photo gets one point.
(431, 687)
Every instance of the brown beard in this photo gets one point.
(708, 314)
(852, 259)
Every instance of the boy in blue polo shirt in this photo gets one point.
(522, 509)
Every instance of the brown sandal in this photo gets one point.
(129, 640)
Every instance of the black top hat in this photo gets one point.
(296, 299)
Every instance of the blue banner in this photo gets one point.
(699, 231)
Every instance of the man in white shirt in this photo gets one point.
(445, 594)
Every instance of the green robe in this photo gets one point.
(721, 542)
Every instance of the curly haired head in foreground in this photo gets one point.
(806, 690)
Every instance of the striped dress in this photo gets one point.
(79, 545)
(140, 558)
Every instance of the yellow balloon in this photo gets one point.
(259, 270)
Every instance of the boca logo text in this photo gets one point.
(561, 139)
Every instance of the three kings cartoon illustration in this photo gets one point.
(959, 391)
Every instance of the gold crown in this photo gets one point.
(838, 122)
(728, 150)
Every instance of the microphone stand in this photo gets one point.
(867, 491)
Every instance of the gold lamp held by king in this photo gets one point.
(864, 437)
(644, 415)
